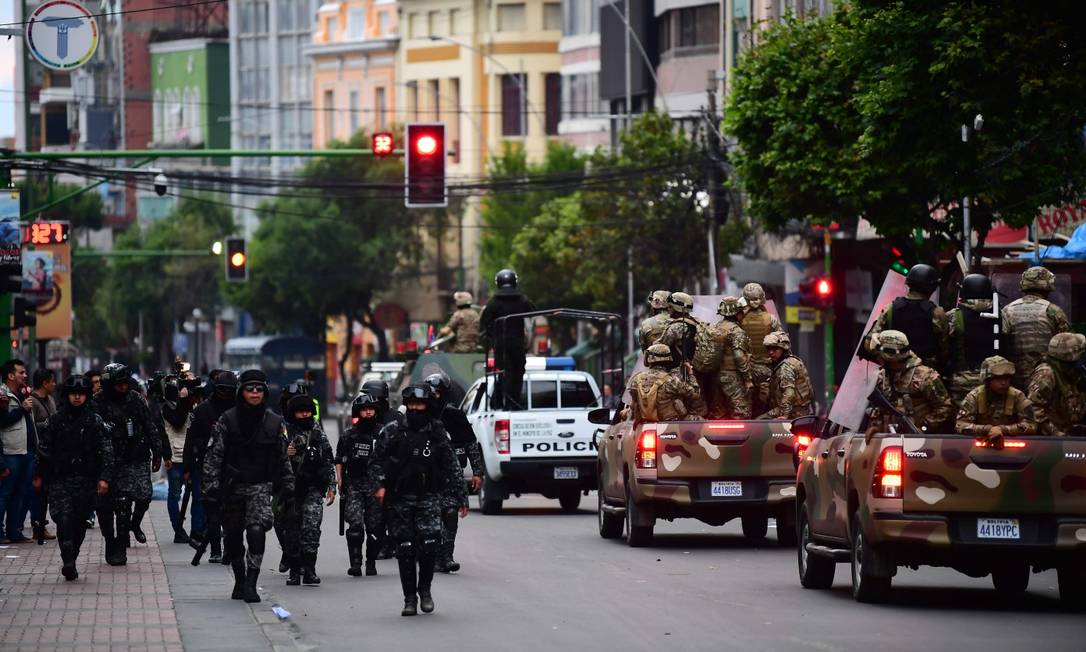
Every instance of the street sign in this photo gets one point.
(62, 34)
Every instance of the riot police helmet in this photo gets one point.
(923, 278)
(363, 401)
(76, 384)
(505, 279)
(378, 389)
(975, 287)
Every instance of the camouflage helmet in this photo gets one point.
(462, 299)
(893, 345)
(754, 294)
(777, 340)
(681, 302)
(659, 355)
(729, 307)
(658, 299)
(1037, 278)
(996, 367)
(1067, 347)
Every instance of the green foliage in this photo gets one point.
(83, 211)
(859, 113)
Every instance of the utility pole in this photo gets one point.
(827, 328)
(713, 182)
(629, 74)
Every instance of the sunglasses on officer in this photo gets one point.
(253, 388)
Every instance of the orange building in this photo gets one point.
(353, 58)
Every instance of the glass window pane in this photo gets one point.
(552, 15)
(511, 17)
(544, 394)
(577, 394)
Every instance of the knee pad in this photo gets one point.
(254, 534)
(429, 547)
(405, 550)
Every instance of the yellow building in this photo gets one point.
(466, 63)
(353, 58)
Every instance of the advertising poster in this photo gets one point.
(11, 237)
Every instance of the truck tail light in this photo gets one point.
(889, 473)
(501, 436)
(645, 455)
(1007, 443)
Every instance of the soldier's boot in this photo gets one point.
(284, 563)
(67, 559)
(216, 549)
(426, 579)
(309, 569)
(139, 508)
(371, 568)
(355, 540)
(251, 576)
(409, 582)
(445, 562)
(294, 566)
(371, 556)
(120, 555)
(180, 536)
(238, 566)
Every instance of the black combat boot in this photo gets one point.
(409, 581)
(309, 569)
(120, 555)
(67, 560)
(284, 563)
(426, 579)
(250, 585)
(239, 579)
(371, 568)
(216, 550)
(295, 577)
(138, 510)
(180, 536)
(354, 553)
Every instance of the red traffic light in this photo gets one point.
(383, 144)
(823, 288)
(426, 145)
(424, 166)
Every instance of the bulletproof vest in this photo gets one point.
(982, 403)
(914, 318)
(688, 331)
(312, 467)
(974, 339)
(1032, 329)
(358, 449)
(74, 449)
(417, 457)
(804, 393)
(252, 460)
(459, 430)
(757, 324)
(130, 443)
(727, 360)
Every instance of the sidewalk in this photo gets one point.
(106, 608)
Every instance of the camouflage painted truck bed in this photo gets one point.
(713, 471)
(944, 500)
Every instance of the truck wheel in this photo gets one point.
(637, 536)
(490, 500)
(815, 572)
(1072, 581)
(1012, 579)
(755, 527)
(865, 586)
(786, 527)
(610, 524)
(569, 501)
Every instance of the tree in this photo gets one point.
(859, 114)
(83, 211)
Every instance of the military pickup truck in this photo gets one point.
(714, 471)
(891, 500)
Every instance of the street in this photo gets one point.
(535, 578)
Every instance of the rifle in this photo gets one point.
(341, 514)
(883, 403)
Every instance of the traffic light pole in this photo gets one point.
(831, 375)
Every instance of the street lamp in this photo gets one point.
(967, 224)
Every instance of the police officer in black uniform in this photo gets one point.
(378, 389)
(467, 449)
(414, 471)
(136, 442)
(76, 462)
(198, 441)
(354, 451)
(507, 340)
(314, 479)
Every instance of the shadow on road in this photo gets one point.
(960, 599)
(536, 511)
(713, 541)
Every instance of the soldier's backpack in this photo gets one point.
(646, 399)
(708, 349)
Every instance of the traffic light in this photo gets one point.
(237, 261)
(383, 144)
(424, 170)
(899, 265)
(816, 292)
(23, 313)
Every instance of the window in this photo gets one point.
(511, 17)
(414, 29)
(356, 24)
(552, 15)
(434, 89)
(432, 27)
(286, 15)
(544, 394)
(577, 394)
(454, 22)
(333, 28)
(353, 107)
(580, 17)
(383, 23)
(553, 98)
(513, 118)
(329, 115)
(379, 106)
(581, 96)
(689, 28)
(413, 99)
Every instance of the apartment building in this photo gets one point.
(584, 122)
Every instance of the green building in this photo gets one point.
(190, 85)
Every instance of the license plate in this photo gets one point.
(726, 489)
(566, 473)
(998, 528)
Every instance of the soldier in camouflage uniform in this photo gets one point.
(659, 394)
(790, 384)
(681, 329)
(995, 409)
(1032, 321)
(75, 460)
(734, 376)
(467, 449)
(464, 324)
(354, 451)
(246, 465)
(1056, 387)
(136, 442)
(973, 337)
(758, 322)
(416, 471)
(925, 324)
(912, 387)
(652, 327)
(313, 465)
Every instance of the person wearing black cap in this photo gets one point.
(197, 442)
(507, 338)
(246, 464)
(414, 471)
(76, 463)
(354, 451)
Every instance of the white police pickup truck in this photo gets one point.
(548, 448)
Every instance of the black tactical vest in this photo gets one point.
(313, 469)
(914, 318)
(130, 443)
(254, 458)
(418, 472)
(975, 340)
(74, 446)
(358, 449)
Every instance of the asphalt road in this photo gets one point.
(535, 578)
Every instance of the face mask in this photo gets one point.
(417, 418)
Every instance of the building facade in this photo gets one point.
(585, 123)
(353, 58)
